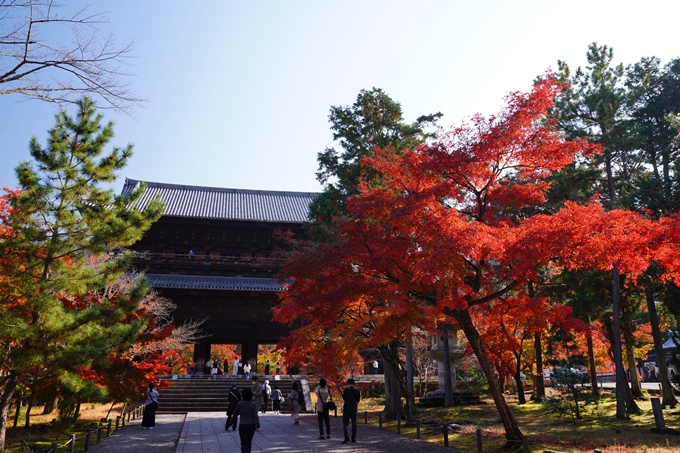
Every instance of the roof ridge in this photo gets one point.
(134, 182)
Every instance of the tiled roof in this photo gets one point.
(216, 283)
(227, 204)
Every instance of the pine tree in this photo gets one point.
(62, 246)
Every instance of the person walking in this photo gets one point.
(294, 404)
(350, 408)
(266, 391)
(234, 398)
(257, 393)
(149, 416)
(277, 399)
(246, 369)
(250, 421)
(323, 393)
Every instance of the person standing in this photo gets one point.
(278, 368)
(375, 367)
(234, 367)
(266, 391)
(234, 398)
(350, 408)
(250, 421)
(294, 404)
(322, 412)
(267, 366)
(246, 369)
(277, 398)
(208, 367)
(149, 417)
(257, 392)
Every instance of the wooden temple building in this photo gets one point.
(211, 254)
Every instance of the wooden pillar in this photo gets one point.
(251, 349)
(201, 354)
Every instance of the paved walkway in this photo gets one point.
(203, 432)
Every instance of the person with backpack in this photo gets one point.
(234, 398)
(294, 398)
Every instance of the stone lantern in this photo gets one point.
(437, 353)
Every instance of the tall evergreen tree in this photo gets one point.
(62, 247)
(596, 108)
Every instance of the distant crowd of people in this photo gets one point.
(216, 366)
(248, 403)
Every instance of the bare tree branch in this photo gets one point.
(55, 55)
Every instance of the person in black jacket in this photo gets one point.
(234, 397)
(350, 408)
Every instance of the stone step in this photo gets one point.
(208, 394)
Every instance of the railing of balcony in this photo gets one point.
(207, 259)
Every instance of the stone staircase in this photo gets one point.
(210, 393)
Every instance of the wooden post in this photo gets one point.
(99, 432)
(658, 413)
(117, 422)
(399, 425)
(479, 440)
(54, 447)
(525, 444)
(122, 420)
(87, 439)
(365, 417)
(108, 428)
(128, 414)
(445, 431)
(72, 444)
(380, 420)
(417, 429)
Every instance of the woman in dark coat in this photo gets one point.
(234, 397)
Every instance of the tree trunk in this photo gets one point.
(448, 386)
(5, 402)
(635, 388)
(539, 388)
(411, 400)
(512, 431)
(518, 380)
(392, 391)
(29, 407)
(77, 412)
(594, 389)
(625, 403)
(668, 398)
(49, 405)
(17, 411)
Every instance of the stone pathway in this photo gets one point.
(203, 432)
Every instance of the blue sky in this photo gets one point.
(239, 92)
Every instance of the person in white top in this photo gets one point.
(246, 369)
(234, 367)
